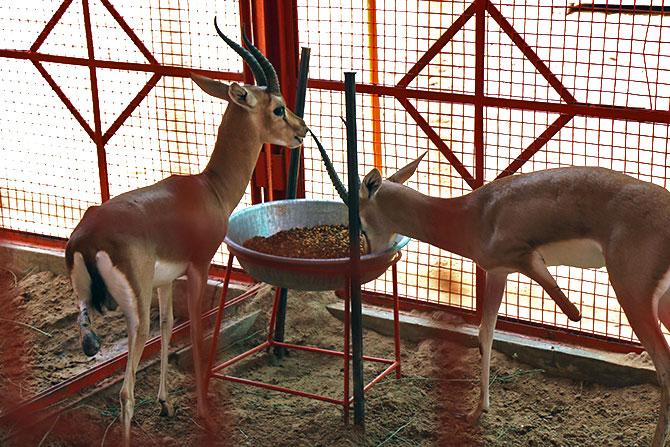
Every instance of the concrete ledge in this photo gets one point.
(25, 258)
(574, 362)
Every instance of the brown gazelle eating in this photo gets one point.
(144, 239)
(577, 216)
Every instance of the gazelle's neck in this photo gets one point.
(445, 223)
(234, 157)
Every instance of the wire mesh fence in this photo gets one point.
(487, 88)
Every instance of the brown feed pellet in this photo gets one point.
(320, 242)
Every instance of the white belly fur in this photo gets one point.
(585, 253)
(166, 272)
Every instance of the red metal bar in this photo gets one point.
(97, 133)
(327, 351)
(393, 365)
(217, 324)
(280, 33)
(32, 239)
(131, 107)
(251, 19)
(577, 108)
(68, 104)
(437, 46)
(529, 53)
(251, 291)
(536, 145)
(437, 141)
(480, 48)
(136, 40)
(237, 358)
(281, 389)
(163, 70)
(50, 25)
(386, 372)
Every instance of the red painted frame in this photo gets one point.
(252, 13)
(346, 401)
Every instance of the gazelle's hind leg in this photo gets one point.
(643, 317)
(136, 310)
(495, 287)
(81, 284)
(167, 321)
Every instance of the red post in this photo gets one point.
(280, 20)
(480, 47)
(217, 325)
(97, 130)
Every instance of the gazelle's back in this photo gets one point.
(573, 202)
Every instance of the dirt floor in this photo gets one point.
(423, 408)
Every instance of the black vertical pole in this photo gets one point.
(354, 251)
(301, 93)
(292, 188)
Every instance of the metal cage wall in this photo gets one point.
(97, 100)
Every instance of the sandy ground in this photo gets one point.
(423, 408)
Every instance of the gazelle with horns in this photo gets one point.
(144, 239)
(577, 216)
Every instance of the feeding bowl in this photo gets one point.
(269, 218)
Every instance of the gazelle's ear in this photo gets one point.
(370, 184)
(211, 86)
(406, 172)
(241, 96)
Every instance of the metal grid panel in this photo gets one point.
(49, 174)
(337, 32)
(603, 59)
(535, 53)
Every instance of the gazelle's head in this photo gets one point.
(377, 199)
(272, 120)
(377, 202)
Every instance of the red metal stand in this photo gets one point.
(215, 371)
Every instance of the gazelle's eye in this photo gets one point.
(279, 111)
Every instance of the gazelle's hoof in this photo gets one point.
(473, 417)
(167, 410)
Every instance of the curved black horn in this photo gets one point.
(270, 73)
(249, 58)
(339, 186)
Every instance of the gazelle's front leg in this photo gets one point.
(167, 321)
(495, 286)
(196, 281)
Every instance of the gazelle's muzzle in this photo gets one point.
(299, 127)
